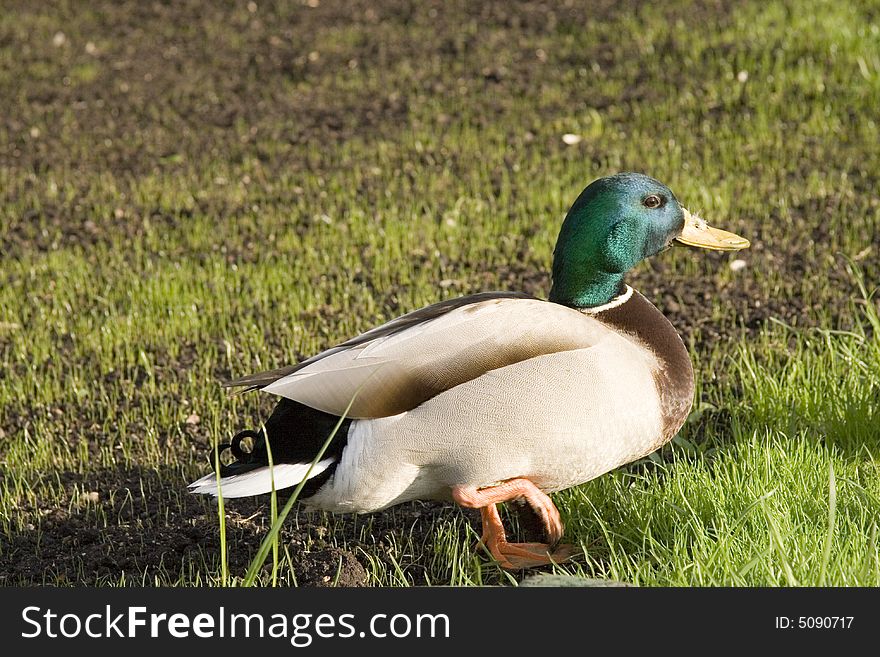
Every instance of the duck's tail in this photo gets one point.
(259, 480)
(251, 475)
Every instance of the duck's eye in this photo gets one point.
(653, 201)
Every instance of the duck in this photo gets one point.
(496, 396)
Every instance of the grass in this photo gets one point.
(781, 488)
(205, 192)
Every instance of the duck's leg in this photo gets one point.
(514, 489)
(516, 555)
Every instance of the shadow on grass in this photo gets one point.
(133, 527)
(140, 527)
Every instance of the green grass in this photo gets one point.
(195, 197)
(780, 488)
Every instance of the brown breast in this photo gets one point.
(675, 377)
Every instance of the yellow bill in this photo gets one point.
(701, 235)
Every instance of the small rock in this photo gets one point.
(193, 419)
(742, 76)
(861, 255)
(571, 139)
(91, 496)
(737, 265)
(59, 39)
(546, 579)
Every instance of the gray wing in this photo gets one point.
(396, 367)
(420, 316)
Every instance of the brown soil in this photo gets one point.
(173, 91)
(153, 526)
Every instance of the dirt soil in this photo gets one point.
(153, 526)
(206, 89)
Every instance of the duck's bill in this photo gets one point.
(699, 234)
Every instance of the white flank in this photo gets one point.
(259, 480)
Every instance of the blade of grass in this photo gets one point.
(221, 511)
(273, 506)
(263, 551)
(777, 543)
(832, 521)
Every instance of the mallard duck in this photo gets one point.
(495, 396)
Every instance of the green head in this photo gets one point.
(614, 224)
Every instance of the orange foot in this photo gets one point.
(516, 555)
